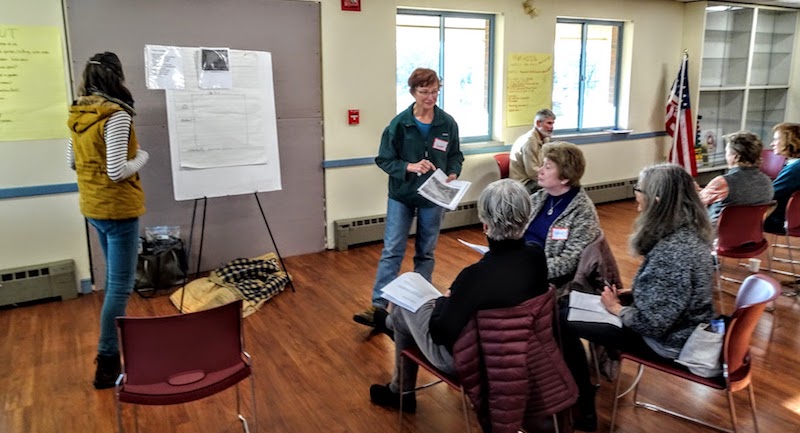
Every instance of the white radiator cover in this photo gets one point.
(34, 282)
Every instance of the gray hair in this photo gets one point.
(506, 209)
(670, 201)
(544, 113)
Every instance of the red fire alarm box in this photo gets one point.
(352, 117)
(351, 5)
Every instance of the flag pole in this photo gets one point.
(680, 103)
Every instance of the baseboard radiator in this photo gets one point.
(353, 231)
(31, 283)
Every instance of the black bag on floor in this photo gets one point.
(162, 265)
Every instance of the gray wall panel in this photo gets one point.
(291, 32)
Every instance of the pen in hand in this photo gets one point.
(425, 157)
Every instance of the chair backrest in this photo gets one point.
(754, 294)
(595, 266)
(771, 164)
(503, 161)
(741, 225)
(793, 214)
(509, 357)
(154, 349)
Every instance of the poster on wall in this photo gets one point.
(529, 87)
(33, 93)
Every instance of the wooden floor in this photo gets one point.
(314, 365)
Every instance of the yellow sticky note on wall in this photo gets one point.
(33, 92)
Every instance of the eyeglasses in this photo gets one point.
(637, 189)
(427, 93)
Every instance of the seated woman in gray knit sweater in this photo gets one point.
(672, 290)
(565, 220)
(744, 183)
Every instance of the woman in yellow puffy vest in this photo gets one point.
(104, 153)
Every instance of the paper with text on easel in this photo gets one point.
(584, 307)
(409, 291)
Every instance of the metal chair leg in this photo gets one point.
(753, 406)
(732, 409)
(464, 409)
(400, 412)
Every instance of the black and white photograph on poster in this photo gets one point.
(214, 68)
(214, 59)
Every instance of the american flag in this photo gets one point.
(679, 121)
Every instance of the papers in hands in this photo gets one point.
(410, 291)
(447, 195)
(584, 307)
(479, 248)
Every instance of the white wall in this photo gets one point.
(358, 63)
(39, 229)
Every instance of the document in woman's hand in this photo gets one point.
(584, 307)
(443, 193)
(410, 291)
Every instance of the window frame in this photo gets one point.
(585, 22)
(490, 18)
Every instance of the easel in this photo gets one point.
(202, 236)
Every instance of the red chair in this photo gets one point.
(755, 293)
(181, 358)
(792, 227)
(771, 164)
(740, 235)
(503, 161)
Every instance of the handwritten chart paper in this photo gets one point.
(224, 141)
(529, 87)
(33, 95)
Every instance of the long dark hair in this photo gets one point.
(103, 74)
(670, 202)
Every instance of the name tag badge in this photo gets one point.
(560, 234)
(439, 144)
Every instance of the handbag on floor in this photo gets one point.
(161, 265)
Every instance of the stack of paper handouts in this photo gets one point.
(410, 291)
(584, 307)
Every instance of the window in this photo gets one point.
(586, 74)
(459, 47)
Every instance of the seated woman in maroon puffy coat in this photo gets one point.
(508, 275)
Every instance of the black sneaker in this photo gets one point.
(108, 370)
(383, 396)
(367, 317)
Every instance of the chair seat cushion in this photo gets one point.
(417, 357)
(676, 369)
(164, 393)
(744, 251)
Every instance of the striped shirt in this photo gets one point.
(116, 135)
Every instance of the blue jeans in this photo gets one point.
(119, 240)
(398, 223)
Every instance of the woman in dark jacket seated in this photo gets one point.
(786, 142)
(672, 290)
(508, 275)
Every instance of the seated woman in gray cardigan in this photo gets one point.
(672, 290)
(744, 183)
(565, 220)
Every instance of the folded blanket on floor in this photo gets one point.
(253, 280)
